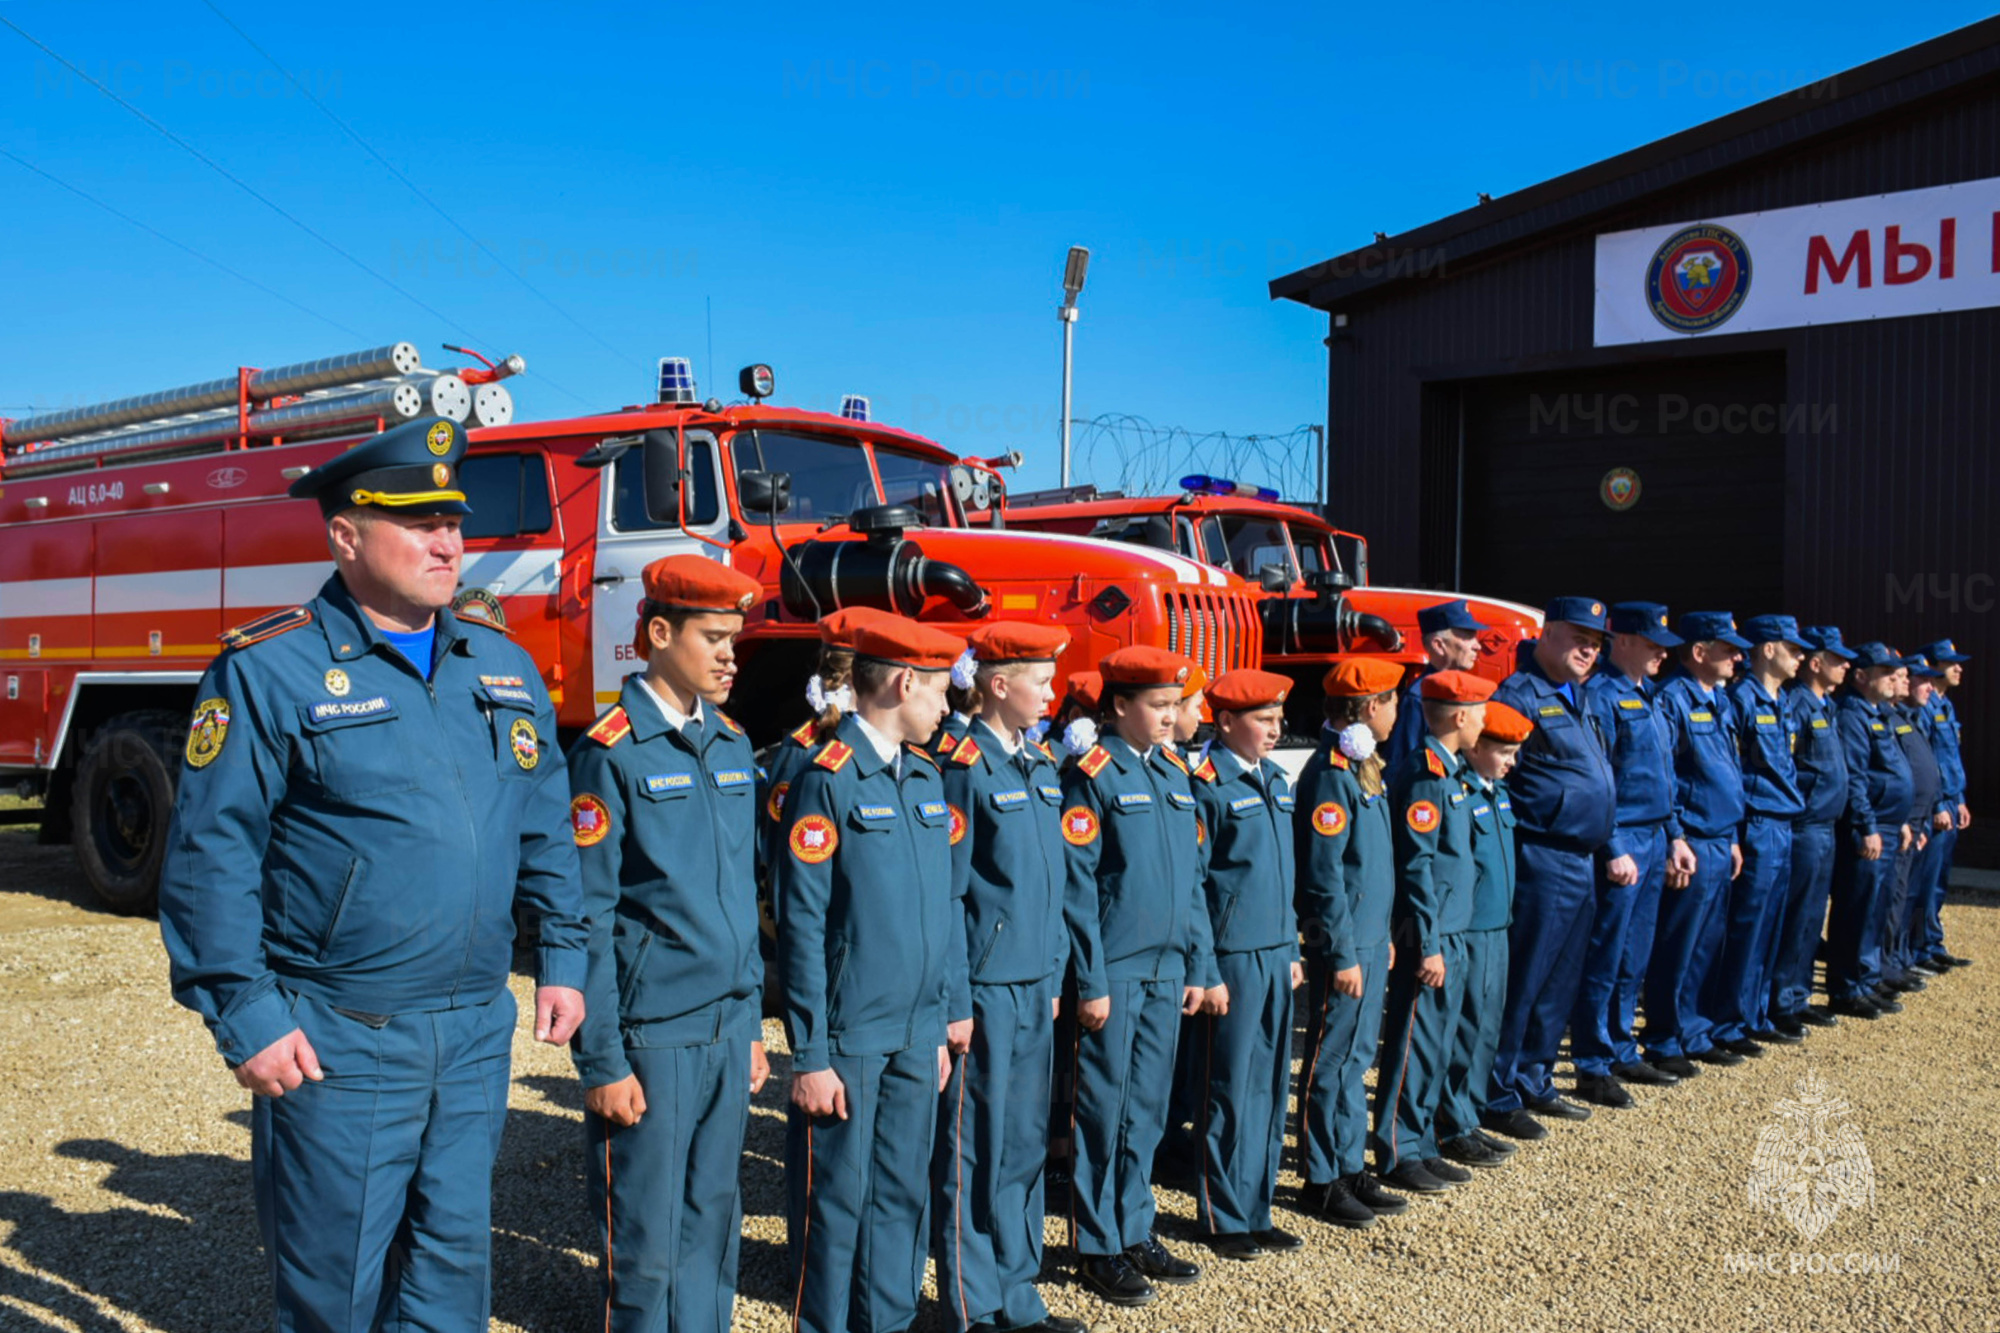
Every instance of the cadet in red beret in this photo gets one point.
(666, 1115)
(1455, 687)
(1008, 867)
(1476, 1032)
(1074, 727)
(1187, 723)
(1241, 1053)
(871, 942)
(1346, 885)
(1142, 954)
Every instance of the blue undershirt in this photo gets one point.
(415, 646)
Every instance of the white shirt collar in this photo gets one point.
(674, 716)
(890, 751)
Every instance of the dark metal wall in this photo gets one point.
(1889, 476)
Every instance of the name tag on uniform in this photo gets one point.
(875, 814)
(509, 694)
(1243, 803)
(1874, 726)
(1181, 800)
(1701, 717)
(1050, 793)
(1636, 705)
(1007, 800)
(1479, 810)
(1767, 719)
(331, 709)
(1552, 710)
(932, 810)
(1285, 803)
(1819, 724)
(1132, 800)
(664, 782)
(733, 777)
(1457, 798)
(1903, 729)
(1507, 805)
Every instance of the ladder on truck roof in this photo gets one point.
(336, 395)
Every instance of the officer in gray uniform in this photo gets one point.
(371, 787)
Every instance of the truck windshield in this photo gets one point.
(1254, 542)
(831, 478)
(1312, 549)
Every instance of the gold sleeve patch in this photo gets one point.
(957, 826)
(1329, 819)
(774, 804)
(589, 819)
(206, 732)
(1079, 825)
(1422, 817)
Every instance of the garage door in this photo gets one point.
(1661, 483)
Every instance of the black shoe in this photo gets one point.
(1854, 1006)
(1818, 1018)
(1559, 1108)
(1152, 1260)
(1644, 1075)
(1788, 1025)
(1601, 1090)
(1368, 1192)
(1239, 1245)
(1779, 1036)
(1743, 1046)
(1113, 1279)
(1888, 1007)
(1944, 959)
(1336, 1203)
(1278, 1240)
(1515, 1124)
(1911, 982)
(1924, 969)
(1499, 1146)
(1445, 1171)
(1411, 1177)
(1469, 1150)
(1717, 1055)
(1678, 1065)
(1055, 1323)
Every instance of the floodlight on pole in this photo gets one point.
(1073, 275)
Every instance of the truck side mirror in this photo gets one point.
(762, 492)
(1274, 578)
(1332, 581)
(662, 458)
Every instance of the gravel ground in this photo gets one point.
(125, 1204)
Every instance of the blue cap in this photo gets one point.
(1712, 627)
(1826, 639)
(1774, 629)
(1648, 620)
(1583, 612)
(1875, 653)
(1447, 615)
(1944, 650)
(1920, 665)
(412, 469)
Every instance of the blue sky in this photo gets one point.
(873, 200)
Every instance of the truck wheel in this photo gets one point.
(123, 798)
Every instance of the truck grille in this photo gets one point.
(1219, 631)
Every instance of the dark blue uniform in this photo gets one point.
(1879, 789)
(1139, 933)
(1565, 798)
(1909, 892)
(1821, 764)
(1476, 1034)
(1433, 806)
(1244, 1074)
(1603, 1027)
(1009, 866)
(871, 949)
(1708, 803)
(1736, 995)
(1944, 731)
(664, 817)
(1346, 884)
(1410, 732)
(348, 846)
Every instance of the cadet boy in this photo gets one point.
(1244, 1066)
(1431, 801)
(1708, 801)
(1345, 887)
(1872, 833)
(1736, 998)
(370, 788)
(1821, 763)
(1450, 635)
(664, 816)
(1564, 795)
(1476, 1029)
(1008, 866)
(1945, 739)
(1646, 842)
(1143, 956)
(871, 943)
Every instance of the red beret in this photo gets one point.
(837, 630)
(696, 583)
(1145, 668)
(906, 643)
(1017, 641)
(1456, 687)
(1359, 677)
(1197, 681)
(1242, 691)
(1507, 725)
(1086, 687)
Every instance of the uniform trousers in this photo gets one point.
(1553, 905)
(1341, 1038)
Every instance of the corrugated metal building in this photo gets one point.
(1493, 425)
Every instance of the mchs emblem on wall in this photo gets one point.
(1810, 1165)
(1698, 278)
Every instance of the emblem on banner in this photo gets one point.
(1619, 489)
(1699, 277)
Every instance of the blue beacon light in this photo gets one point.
(1242, 490)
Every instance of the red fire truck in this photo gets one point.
(133, 533)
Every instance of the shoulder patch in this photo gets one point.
(1435, 764)
(967, 752)
(1079, 826)
(266, 627)
(1329, 819)
(1173, 757)
(834, 756)
(923, 754)
(589, 819)
(726, 720)
(947, 743)
(814, 839)
(1050, 755)
(958, 826)
(1094, 760)
(804, 735)
(1335, 759)
(1207, 771)
(1422, 817)
(612, 728)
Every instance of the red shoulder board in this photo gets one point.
(1093, 762)
(923, 754)
(804, 735)
(966, 753)
(835, 756)
(1336, 759)
(265, 627)
(947, 743)
(1207, 771)
(1174, 758)
(1436, 764)
(727, 720)
(612, 728)
(1047, 753)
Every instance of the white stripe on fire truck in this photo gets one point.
(28, 598)
(1183, 569)
(161, 590)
